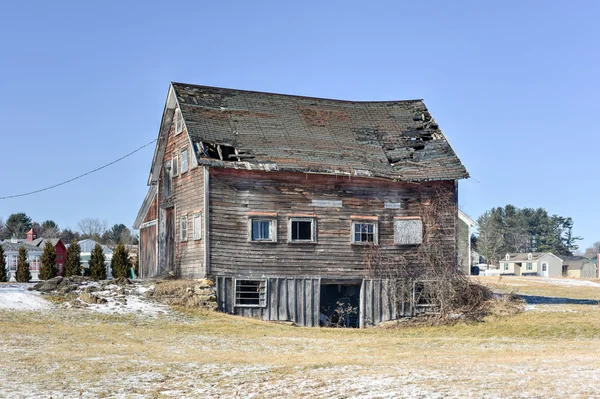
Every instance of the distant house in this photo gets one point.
(465, 224)
(579, 267)
(544, 264)
(59, 248)
(11, 254)
(87, 246)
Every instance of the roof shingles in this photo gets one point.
(397, 140)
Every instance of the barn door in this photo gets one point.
(147, 254)
(170, 239)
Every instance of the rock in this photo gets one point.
(91, 298)
(79, 279)
(48, 285)
(66, 289)
(90, 288)
(122, 281)
(206, 283)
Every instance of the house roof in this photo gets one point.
(14, 246)
(517, 257)
(390, 139)
(39, 242)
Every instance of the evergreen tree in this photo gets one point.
(120, 262)
(73, 261)
(48, 269)
(4, 276)
(97, 266)
(23, 274)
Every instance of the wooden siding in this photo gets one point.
(152, 211)
(379, 302)
(288, 299)
(187, 198)
(236, 193)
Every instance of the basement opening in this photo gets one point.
(340, 301)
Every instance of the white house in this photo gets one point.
(11, 254)
(544, 264)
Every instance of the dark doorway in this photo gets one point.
(339, 304)
(170, 238)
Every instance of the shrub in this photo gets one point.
(23, 274)
(4, 276)
(97, 269)
(120, 262)
(48, 269)
(73, 261)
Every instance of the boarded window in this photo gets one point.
(197, 225)
(183, 228)
(175, 165)
(302, 230)
(250, 293)
(178, 121)
(364, 232)
(184, 160)
(408, 231)
(327, 203)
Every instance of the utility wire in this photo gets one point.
(78, 177)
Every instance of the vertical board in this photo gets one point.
(288, 299)
(147, 256)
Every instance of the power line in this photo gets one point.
(78, 177)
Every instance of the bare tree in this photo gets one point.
(92, 227)
(592, 251)
(491, 239)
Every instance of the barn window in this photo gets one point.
(183, 228)
(175, 165)
(178, 121)
(264, 230)
(184, 160)
(408, 231)
(302, 229)
(250, 293)
(197, 226)
(167, 180)
(364, 233)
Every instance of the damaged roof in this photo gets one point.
(397, 140)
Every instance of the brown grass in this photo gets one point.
(204, 354)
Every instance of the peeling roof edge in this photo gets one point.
(145, 207)
(298, 95)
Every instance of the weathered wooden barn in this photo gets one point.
(278, 198)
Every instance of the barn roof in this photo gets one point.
(398, 140)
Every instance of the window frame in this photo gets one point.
(197, 233)
(366, 221)
(272, 219)
(12, 263)
(187, 160)
(528, 265)
(35, 262)
(262, 293)
(505, 266)
(313, 229)
(183, 219)
(178, 121)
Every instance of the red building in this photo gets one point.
(59, 248)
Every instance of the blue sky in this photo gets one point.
(513, 85)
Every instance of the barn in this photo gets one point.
(292, 204)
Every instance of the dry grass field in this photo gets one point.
(549, 351)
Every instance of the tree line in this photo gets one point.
(121, 264)
(18, 224)
(510, 229)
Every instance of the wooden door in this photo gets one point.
(148, 264)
